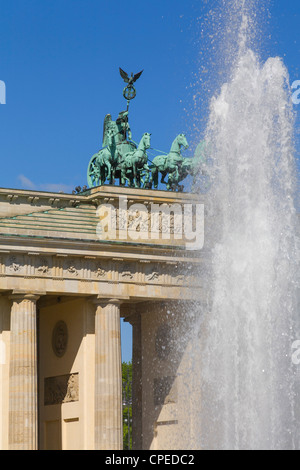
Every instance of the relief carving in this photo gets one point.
(61, 389)
(72, 270)
(87, 270)
(60, 338)
(72, 267)
(152, 272)
(127, 275)
(43, 267)
(14, 265)
(154, 276)
(100, 272)
(127, 272)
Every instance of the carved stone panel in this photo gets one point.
(15, 265)
(61, 389)
(152, 273)
(127, 272)
(100, 271)
(72, 268)
(60, 338)
(43, 266)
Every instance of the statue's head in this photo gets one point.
(123, 115)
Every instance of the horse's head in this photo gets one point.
(181, 139)
(146, 140)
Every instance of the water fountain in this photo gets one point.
(245, 332)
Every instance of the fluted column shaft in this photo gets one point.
(108, 377)
(23, 405)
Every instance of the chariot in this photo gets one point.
(106, 164)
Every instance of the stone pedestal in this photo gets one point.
(23, 408)
(108, 376)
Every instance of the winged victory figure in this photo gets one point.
(130, 80)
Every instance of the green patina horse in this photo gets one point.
(103, 160)
(169, 164)
(194, 166)
(134, 164)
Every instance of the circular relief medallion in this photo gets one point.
(60, 338)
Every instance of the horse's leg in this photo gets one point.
(147, 177)
(97, 179)
(171, 177)
(154, 177)
(164, 170)
(176, 177)
(103, 177)
(137, 175)
(125, 178)
(163, 175)
(122, 176)
(108, 166)
(113, 174)
(151, 174)
(134, 172)
(169, 183)
(140, 176)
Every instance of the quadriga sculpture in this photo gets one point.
(121, 158)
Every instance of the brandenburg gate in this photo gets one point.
(72, 266)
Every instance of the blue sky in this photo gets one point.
(59, 60)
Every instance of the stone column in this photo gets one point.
(23, 400)
(108, 376)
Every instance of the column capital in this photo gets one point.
(19, 297)
(103, 301)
